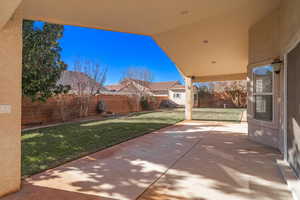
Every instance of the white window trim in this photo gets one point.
(254, 94)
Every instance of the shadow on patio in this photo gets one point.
(194, 161)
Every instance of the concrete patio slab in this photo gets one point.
(191, 160)
(224, 165)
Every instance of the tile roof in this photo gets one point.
(153, 86)
(72, 78)
(163, 85)
(178, 87)
(114, 87)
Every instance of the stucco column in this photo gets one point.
(10, 104)
(189, 98)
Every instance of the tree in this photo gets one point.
(203, 90)
(61, 100)
(88, 80)
(42, 64)
(234, 90)
(90, 77)
(237, 91)
(138, 73)
(138, 79)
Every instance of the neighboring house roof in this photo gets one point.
(153, 87)
(178, 87)
(78, 79)
(114, 87)
(163, 85)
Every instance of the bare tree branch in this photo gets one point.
(88, 80)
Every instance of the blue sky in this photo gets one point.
(117, 51)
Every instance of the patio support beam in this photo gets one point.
(7, 9)
(189, 98)
(10, 104)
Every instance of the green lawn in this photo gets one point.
(48, 147)
(217, 114)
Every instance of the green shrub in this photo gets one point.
(145, 103)
(101, 107)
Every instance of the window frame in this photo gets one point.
(176, 95)
(255, 94)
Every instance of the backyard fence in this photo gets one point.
(66, 108)
(219, 100)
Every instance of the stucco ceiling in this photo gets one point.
(207, 39)
(137, 16)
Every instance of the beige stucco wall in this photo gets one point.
(10, 90)
(264, 47)
(264, 39)
(289, 24)
(7, 9)
(271, 38)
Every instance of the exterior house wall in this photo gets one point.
(160, 93)
(289, 25)
(272, 37)
(10, 90)
(290, 38)
(293, 109)
(263, 49)
(178, 100)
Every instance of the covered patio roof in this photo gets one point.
(206, 39)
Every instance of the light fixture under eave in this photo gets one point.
(277, 65)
